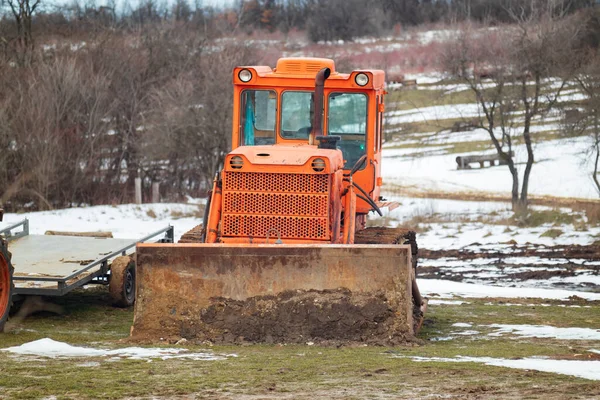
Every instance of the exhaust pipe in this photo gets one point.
(317, 130)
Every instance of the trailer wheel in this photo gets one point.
(6, 284)
(122, 281)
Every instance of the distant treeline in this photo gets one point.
(83, 115)
(322, 19)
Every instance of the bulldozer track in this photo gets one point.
(371, 235)
(194, 235)
(382, 235)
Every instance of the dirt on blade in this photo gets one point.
(328, 317)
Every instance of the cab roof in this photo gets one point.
(302, 70)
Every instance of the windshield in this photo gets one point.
(296, 114)
(347, 118)
(258, 114)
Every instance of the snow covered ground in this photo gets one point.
(561, 170)
(581, 369)
(437, 288)
(51, 348)
(126, 221)
(588, 369)
(474, 223)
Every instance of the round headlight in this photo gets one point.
(361, 79)
(318, 165)
(245, 75)
(236, 162)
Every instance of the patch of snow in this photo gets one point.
(126, 221)
(466, 333)
(50, 348)
(462, 325)
(561, 169)
(440, 35)
(522, 305)
(433, 113)
(474, 228)
(89, 364)
(450, 302)
(425, 78)
(441, 338)
(544, 331)
(579, 279)
(460, 289)
(581, 369)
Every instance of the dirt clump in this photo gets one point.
(328, 317)
(541, 274)
(585, 252)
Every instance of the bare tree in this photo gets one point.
(54, 121)
(189, 124)
(342, 19)
(583, 119)
(516, 76)
(22, 11)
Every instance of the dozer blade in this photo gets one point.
(227, 293)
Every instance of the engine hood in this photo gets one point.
(288, 155)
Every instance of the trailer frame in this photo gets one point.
(65, 284)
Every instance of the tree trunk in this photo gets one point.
(529, 165)
(515, 184)
(597, 149)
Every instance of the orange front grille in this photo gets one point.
(287, 227)
(275, 203)
(272, 182)
(294, 205)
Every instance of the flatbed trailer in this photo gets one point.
(53, 265)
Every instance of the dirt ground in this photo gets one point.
(552, 261)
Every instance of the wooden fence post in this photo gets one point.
(138, 190)
(155, 192)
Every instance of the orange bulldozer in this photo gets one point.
(284, 254)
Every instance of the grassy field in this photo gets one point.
(280, 371)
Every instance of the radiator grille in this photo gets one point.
(275, 203)
(295, 205)
(272, 182)
(288, 227)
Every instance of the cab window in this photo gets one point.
(258, 116)
(347, 118)
(297, 112)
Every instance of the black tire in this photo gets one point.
(6, 284)
(122, 281)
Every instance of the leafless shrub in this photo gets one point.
(53, 124)
(189, 124)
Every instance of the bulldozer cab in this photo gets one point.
(277, 107)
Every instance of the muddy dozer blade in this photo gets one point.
(227, 293)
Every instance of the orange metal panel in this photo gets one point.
(285, 205)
